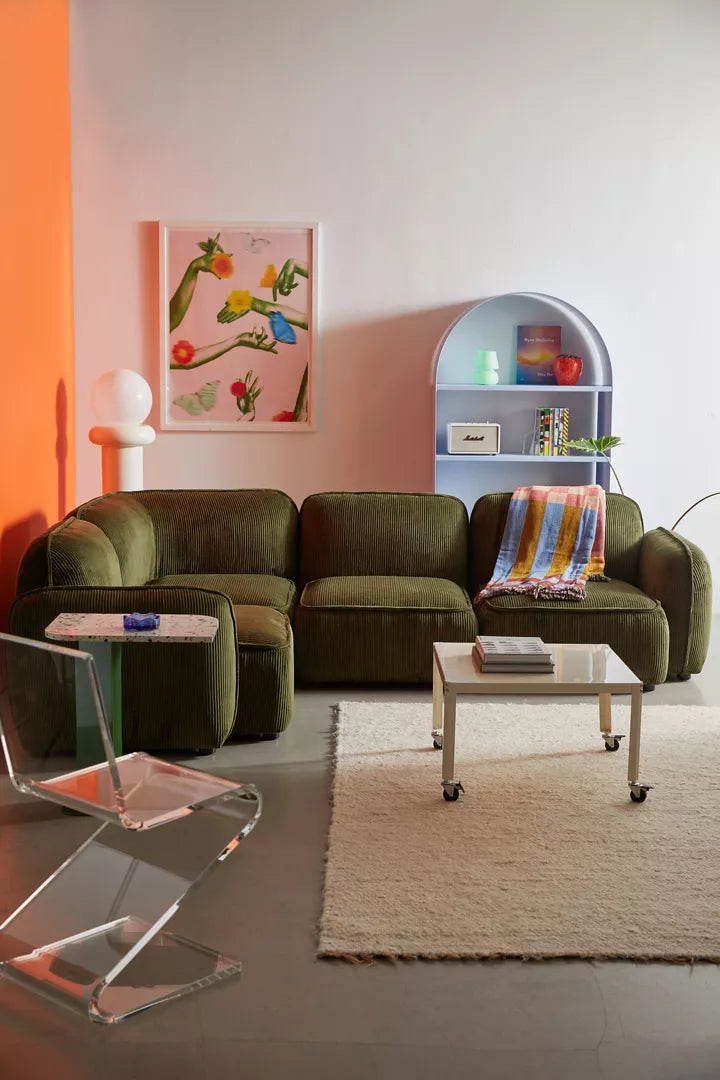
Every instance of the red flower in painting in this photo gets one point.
(222, 265)
(286, 416)
(183, 352)
(239, 389)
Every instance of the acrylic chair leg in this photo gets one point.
(92, 935)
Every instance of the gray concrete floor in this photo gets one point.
(291, 1015)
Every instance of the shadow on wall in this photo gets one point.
(13, 542)
(61, 447)
(376, 389)
(148, 279)
(16, 536)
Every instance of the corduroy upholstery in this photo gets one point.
(384, 576)
(175, 697)
(174, 548)
(654, 612)
(266, 675)
(255, 589)
(613, 613)
(378, 628)
(129, 528)
(391, 533)
(223, 532)
(677, 572)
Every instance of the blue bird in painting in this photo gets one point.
(281, 328)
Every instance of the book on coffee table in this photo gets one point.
(508, 654)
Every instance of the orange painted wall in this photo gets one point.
(37, 451)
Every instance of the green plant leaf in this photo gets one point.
(595, 445)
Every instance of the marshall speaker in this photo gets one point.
(473, 438)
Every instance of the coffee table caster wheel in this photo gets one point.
(451, 790)
(638, 794)
(437, 745)
(451, 796)
(612, 744)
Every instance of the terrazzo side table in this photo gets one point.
(103, 636)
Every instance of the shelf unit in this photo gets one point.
(492, 324)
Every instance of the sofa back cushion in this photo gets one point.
(245, 531)
(623, 536)
(71, 553)
(390, 533)
(129, 528)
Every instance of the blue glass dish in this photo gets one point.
(138, 621)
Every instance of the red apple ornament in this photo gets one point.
(567, 369)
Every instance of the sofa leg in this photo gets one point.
(272, 735)
(684, 676)
(203, 753)
(647, 687)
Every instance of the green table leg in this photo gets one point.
(108, 664)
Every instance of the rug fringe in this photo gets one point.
(370, 959)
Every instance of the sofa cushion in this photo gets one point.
(389, 533)
(388, 593)
(128, 527)
(262, 626)
(264, 590)
(265, 670)
(377, 628)
(245, 531)
(623, 537)
(78, 553)
(613, 613)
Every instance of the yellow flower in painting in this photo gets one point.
(221, 265)
(239, 301)
(268, 279)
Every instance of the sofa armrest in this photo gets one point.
(175, 696)
(676, 572)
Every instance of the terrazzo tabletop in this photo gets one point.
(87, 626)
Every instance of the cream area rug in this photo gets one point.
(544, 856)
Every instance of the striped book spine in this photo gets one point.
(564, 432)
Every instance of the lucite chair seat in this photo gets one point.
(156, 791)
(93, 934)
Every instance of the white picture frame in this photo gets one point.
(257, 280)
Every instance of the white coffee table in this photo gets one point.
(103, 635)
(579, 669)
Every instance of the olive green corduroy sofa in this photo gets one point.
(230, 554)
(654, 612)
(368, 580)
(382, 576)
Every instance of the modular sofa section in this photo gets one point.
(383, 576)
(618, 612)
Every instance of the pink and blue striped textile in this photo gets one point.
(554, 542)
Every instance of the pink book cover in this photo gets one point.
(537, 347)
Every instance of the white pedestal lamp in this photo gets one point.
(121, 399)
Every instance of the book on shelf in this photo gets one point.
(537, 347)
(551, 432)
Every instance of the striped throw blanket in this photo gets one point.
(554, 541)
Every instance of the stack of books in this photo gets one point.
(551, 432)
(527, 655)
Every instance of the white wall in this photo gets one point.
(451, 150)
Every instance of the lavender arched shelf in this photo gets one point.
(492, 324)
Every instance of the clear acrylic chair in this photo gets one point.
(91, 935)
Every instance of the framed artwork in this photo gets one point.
(238, 308)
